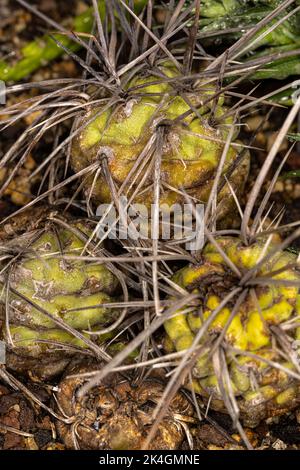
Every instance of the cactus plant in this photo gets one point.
(190, 150)
(117, 414)
(45, 49)
(262, 368)
(157, 121)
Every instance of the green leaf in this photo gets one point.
(294, 137)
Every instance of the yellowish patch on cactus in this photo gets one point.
(43, 279)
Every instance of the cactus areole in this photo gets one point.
(162, 116)
(259, 337)
(40, 286)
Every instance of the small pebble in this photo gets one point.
(279, 445)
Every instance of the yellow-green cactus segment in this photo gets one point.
(217, 8)
(191, 150)
(72, 290)
(248, 330)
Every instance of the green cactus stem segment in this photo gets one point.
(261, 390)
(43, 50)
(43, 279)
